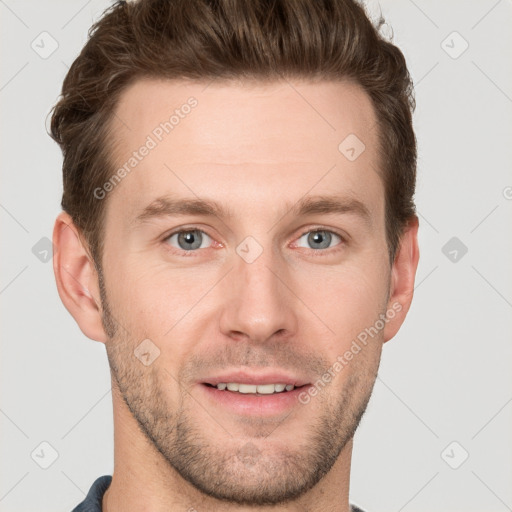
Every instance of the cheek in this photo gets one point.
(344, 298)
(165, 305)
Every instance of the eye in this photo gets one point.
(189, 240)
(319, 239)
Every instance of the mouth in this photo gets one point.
(254, 389)
(262, 399)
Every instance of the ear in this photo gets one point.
(403, 273)
(77, 279)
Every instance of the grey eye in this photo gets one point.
(189, 240)
(320, 239)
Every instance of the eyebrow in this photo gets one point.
(167, 206)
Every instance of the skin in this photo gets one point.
(255, 148)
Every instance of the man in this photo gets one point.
(239, 231)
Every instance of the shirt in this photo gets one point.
(92, 502)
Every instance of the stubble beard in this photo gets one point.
(238, 471)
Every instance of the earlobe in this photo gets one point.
(76, 278)
(403, 274)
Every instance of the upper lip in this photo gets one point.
(268, 377)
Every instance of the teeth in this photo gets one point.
(263, 389)
(247, 388)
(266, 389)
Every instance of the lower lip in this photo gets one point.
(252, 404)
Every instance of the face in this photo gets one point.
(246, 249)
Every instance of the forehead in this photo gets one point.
(323, 109)
(244, 140)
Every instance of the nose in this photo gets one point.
(258, 304)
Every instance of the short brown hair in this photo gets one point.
(229, 40)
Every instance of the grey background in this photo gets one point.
(446, 377)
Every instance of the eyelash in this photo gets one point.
(318, 252)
